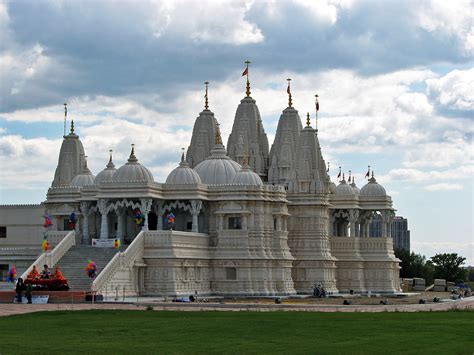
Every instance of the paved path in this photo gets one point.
(10, 309)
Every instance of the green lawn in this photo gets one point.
(145, 332)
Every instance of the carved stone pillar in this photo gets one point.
(85, 222)
(353, 217)
(196, 206)
(104, 223)
(145, 207)
(159, 213)
(120, 214)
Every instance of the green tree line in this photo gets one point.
(446, 266)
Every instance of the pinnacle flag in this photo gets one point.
(368, 173)
(288, 89)
(246, 71)
(339, 175)
(317, 103)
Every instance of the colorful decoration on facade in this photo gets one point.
(91, 269)
(46, 246)
(117, 244)
(11, 275)
(48, 221)
(139, 218)
(72, 220)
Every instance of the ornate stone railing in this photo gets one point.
(121, 259)
(52, 257)
(55, 237)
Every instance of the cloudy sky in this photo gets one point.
(395, 80)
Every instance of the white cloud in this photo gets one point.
(448, 17)
(454, 89)
(214, 21)
(443, 187)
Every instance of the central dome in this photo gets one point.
(132, 171)
(218, 168)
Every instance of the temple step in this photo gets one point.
(74, 262)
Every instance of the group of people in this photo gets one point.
(26, 288)
(319, 291)
(45, 274)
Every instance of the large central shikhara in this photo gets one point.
(247, 221)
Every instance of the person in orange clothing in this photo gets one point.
(58, 275)
(34, 274)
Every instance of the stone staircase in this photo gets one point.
(74, 262)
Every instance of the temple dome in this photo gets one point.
(246, 177)
(373, 189)
(106, 174)
(132, 171)
(218, 168)
(354, 187)
(84, 178)
(344, 189)
(332, 188)
(183, 175)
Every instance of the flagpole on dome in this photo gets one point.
(246, 73)
(367, 175)
(65, 116)
(339, 175)
(288, 90)
(317, 109)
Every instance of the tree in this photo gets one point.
(448, 266)
(415, 265)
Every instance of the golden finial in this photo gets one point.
(182, 154)
(65, 115)
(110, 158)
(308, 121)
(133, 149)
(206, 101)
(218, 135)
(247, 62)
(72, 127)
(288, 90)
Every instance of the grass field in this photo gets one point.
(145, 332)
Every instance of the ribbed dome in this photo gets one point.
(218, 168)
(373, 189)
(344, 189)
(246, 177)
(133, 171)
(183, 175)
(354, 187)
(106, 174)
(84, 178)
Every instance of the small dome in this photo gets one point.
(133, 171)
(246, 177)
(343, 189)
(332, 188)
(183, 174)
(107, 173)
(218, 168)
(373, 189)
(354, 187)
(84, 178)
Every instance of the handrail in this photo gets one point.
(52, 257)
(119, 259)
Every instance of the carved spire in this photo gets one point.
(110, 164)
(218, 135)
(288, 90)
(132, 158)
(206, 101)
